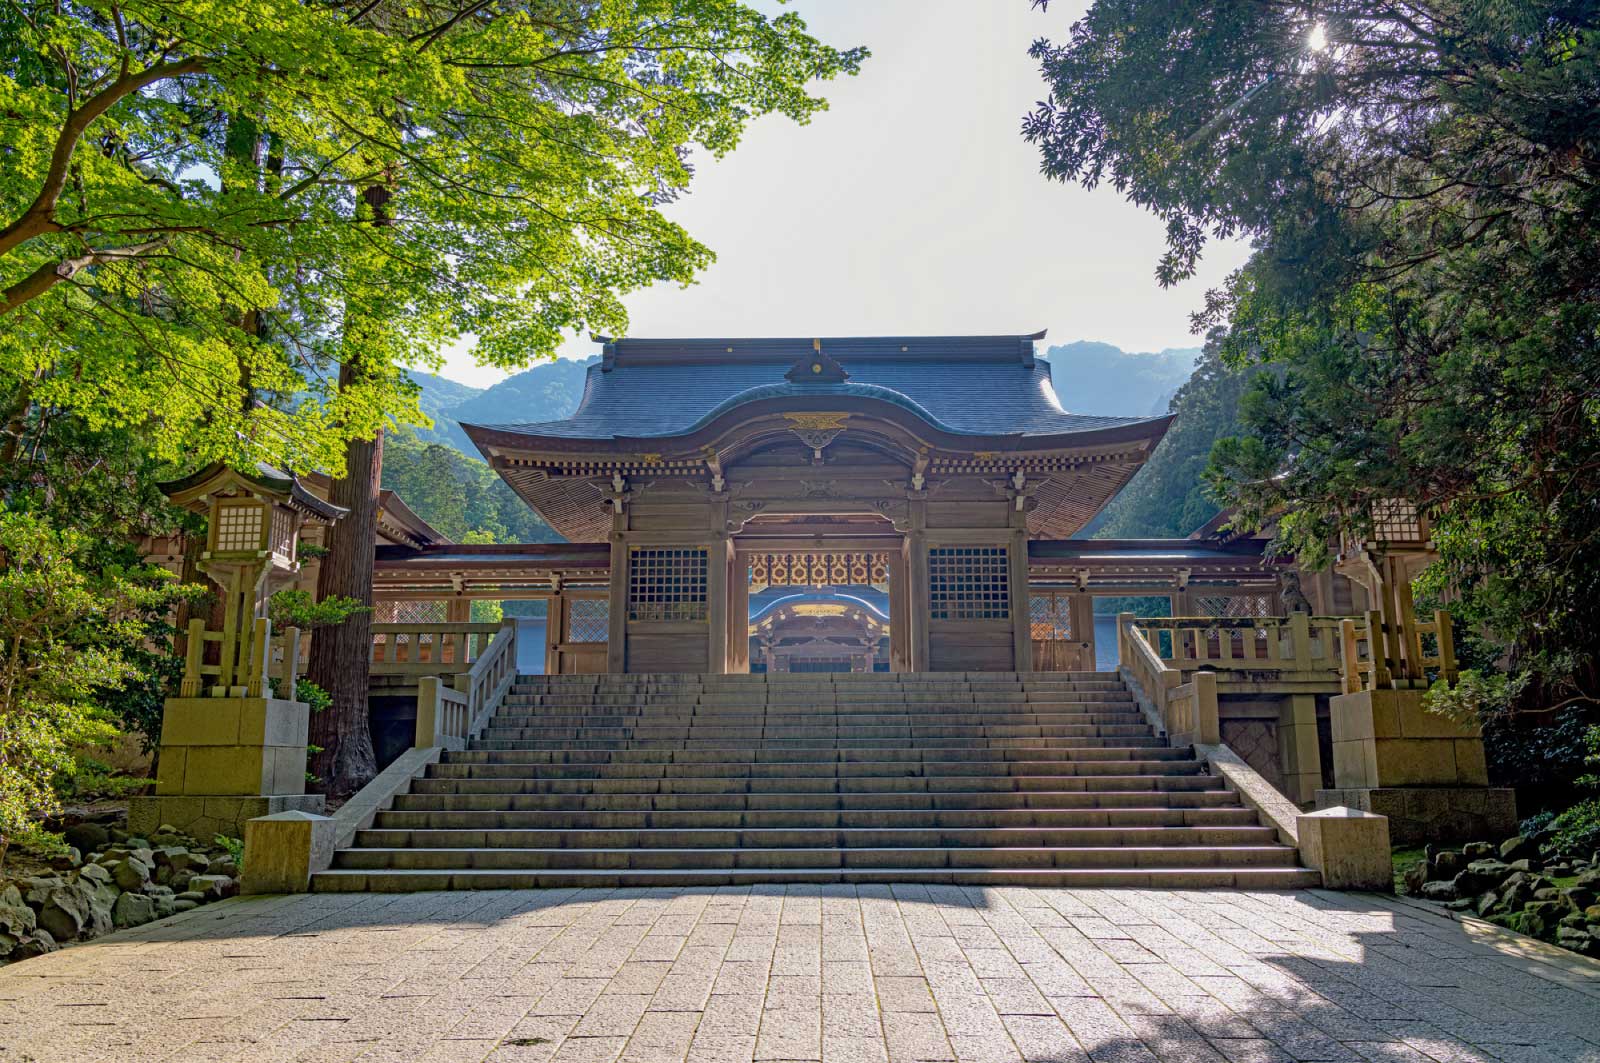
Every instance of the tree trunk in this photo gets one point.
(341, 655)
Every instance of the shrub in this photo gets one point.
(65, 626)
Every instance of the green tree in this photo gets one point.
(1170, 496)
(65, 628)
(1422, 195)
(230, 224)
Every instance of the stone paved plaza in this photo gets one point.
(806, 973)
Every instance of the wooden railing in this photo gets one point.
(245, 661)
(1399, 656)
(449, 714)
(429, 649)
(1296, 643)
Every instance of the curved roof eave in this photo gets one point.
(511, 436)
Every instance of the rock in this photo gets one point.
(1525, 865)
(192, 863)
(1592, 913)
(183, 905)
(65, 912)
(67, 861)
(37, 944)
(117, 834)
(1488, 903)
(165, 854)
(16, 918)
(1462, 904)
(1479, 851)
(1416, 876)
(167, 838)
(1439, 891)
(131, 874)
(1521, 847)
(133, 909)
(1580, 897)
(1576, 940)
(1481, 875)
(1528, 922)
(198, 898)
(213, 887)
(98, 874)
(87, 836)
(1445, 864)
(225, 866)
(1589, 879)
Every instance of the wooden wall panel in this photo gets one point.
(970, 646)
(678, 651)
(974, 514)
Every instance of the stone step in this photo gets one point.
(801, 698)
(627, 859)
(487, 764)
(513, 797)
(875, 837)
(994, 750)
(971, 784)
(1123, 717)
(977, 778)
(1059, 737)
(415, 814)
(1243, 878)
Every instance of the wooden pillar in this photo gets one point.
(899, 613)
(916, 547)
(718, 564)
(1081, 615)
(555, 631)
(1021, 603)
(739, 615)
(617, 633)
(458, 610)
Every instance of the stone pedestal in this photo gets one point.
(1424, 771)
(1349, 847)
(284, 850)
(224, 761)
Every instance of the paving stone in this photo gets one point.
(1046, 974)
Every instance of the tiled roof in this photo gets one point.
(967, 385)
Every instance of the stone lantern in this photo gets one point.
(230, 749)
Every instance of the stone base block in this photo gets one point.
(283, 851)
(1349, 847)
(239, 746)
(1442, 814)
(202, 817)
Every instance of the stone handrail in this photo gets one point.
(450, 714)
(429, 649)
(490, 676)
(1186, 712)
(444, 717)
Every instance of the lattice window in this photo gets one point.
(667, 583)
(1395, 520)
(392, 612)
(283, 535)
(1050, 617)
(1234, 605)
(589, 620)
(239, 528)
(969, 583)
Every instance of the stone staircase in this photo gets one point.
(980, 778)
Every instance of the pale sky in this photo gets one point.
(913, 205)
